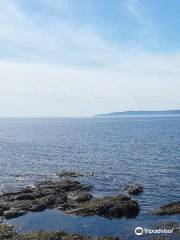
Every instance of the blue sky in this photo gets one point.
(82, 57)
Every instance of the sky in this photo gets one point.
(85, 57)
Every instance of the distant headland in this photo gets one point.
(140, 113)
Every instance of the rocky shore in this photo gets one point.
(168, 209)
(72, 197)
(7, 232)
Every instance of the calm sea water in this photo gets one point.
(119, 150)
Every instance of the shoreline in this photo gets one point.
(76, 199)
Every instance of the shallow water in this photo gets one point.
(119, 150)
(53, 220)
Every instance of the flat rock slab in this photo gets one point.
(168, 209)
(67, 195)
(69, 174)
(109, 207)
(8, 232)
(73, 174)
(58, 235)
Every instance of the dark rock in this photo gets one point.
(39, 206)
(64, 185)
(59, 235)
(23, 205)
(80, 196)
(28, 196)
(44, 195)
(4, 206)
(69, 174)
(1, 212)
(67, 195)
(7, 232)
(13, 213)
(27, 189)
(41, 235)
(73, 174)
(110, 207)
(168, 209)
(134, 189)
(93, 174)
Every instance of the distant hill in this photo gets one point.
(164, 112)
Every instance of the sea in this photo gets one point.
(118, 151)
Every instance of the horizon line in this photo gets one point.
(94, 115)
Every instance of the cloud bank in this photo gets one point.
(56, 66)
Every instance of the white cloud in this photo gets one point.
(56, 90)
(62, 70)
(57, 41)
(146, 33)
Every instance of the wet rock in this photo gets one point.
(73, 174)
(92, 174)
(4, 206)
(52, 236)
(1, 212)
(59, 235)
(64, 185)
(134, 189)
(7, 232)
(168, 209)
(80, 196)
(39, 206)
(12, 213)
(23, 205)
(28, 196)
(67, 195)
(69, 174)
(110, 207)
(44, 195)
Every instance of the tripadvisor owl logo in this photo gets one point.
(139, 231)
